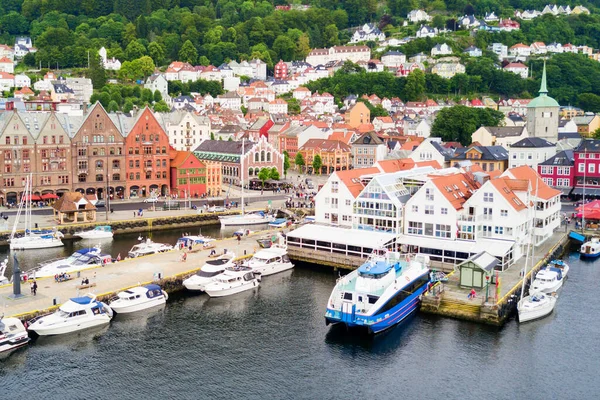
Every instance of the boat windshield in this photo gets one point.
(205, 274)
(63, 314)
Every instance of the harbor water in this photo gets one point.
(272, 343)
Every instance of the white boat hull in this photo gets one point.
(121, 307)
(32, 243)
(198, 284)
(274, 268)
(547, 289)
(71, 326)
(241, 220)
(223, 290)
(92, 235)
(535, 312)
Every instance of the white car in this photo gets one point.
(151, 200)
(215, 209)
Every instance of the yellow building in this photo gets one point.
(357, 115)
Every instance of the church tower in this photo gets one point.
(542, 114)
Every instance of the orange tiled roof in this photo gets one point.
(351, 178)
(457, 188)
(537, 184)
(506, 188)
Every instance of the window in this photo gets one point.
(326, 215)
(488, 197)
(592, 168)
(504, 213)
(63, 179)
(99, 178)
(415, 209)
(444, 211)
(429, 210)
(581, 168)
(415, 228)
(442, 231)
(499, 230)
(429, 194)
(348, 202)
(334, 186)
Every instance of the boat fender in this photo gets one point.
(165, 294)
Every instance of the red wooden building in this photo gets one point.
(188, 175)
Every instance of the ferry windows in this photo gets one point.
(347, 296)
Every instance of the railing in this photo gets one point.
(470, 218)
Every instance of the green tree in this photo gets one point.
(147, 96)
(414, 89)
(96, 72)
(596, 134)
(293, 106)
(274, 174)
(263, 175)
(157, 96)
(161, 106)
(286, 162)
(156, 51)
(299, 161)
(458, 123)
(284, 47)
(112, 106)
(331, 35)
(188, 53)
(212, 136)
(317, 164)
(128, 106)
(589, 102)
(135, 50)
(302, 47)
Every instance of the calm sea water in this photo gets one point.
(273, 344)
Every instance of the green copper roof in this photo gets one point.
(543, 100)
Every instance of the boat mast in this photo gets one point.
(528, 244)
(583, 202)
(19, 211)
(242, 173)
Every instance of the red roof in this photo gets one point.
(351, 178)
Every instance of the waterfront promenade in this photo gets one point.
(117, 276)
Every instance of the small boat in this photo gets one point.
(265, 243)
(242, 232)
(535, 306)
(138, 298)
(12, 335)
(591, 248)
(99, 232)
(148, 247)
(231, 281)
(270, 261)
(381, 293)
(547, 280)
(278, 223)
(253, 218)
(560, 264)
(208, 272)
(81, 259)
(77, 314)
(194, 241)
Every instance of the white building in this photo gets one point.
(339, 53)
(22, 80)
(426, 31)
(520, 50)
(241, 69)
(7, 65)
(393, 59)
(499, 49)
(473, 51)
(530, 151)
(230, 100)
(538, 48)
(417, 16)
(448, 70)
(259, 69)
(82, 88)
(109, 64)
(158, 82)
(185, 129)
(278, 106)
(441, 50)
(431, 149)
(368, 32)
(518, 68)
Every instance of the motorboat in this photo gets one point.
(253, 218)
(194, 241)
(81, 259)
(560, 264)
(148, 247)
(535, 306)
(548, 280)
(270, 261)
(138, 298)
(76, 314)
(231, 281)
(99, 232)
(12, 335)
(278, 223)
(208, 272)
(381, 293)
(591, 248)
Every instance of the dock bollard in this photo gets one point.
(54, 301)
(244, 252)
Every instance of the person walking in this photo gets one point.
(34, 287)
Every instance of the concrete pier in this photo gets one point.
(115, 277)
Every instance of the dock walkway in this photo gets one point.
(117, 276)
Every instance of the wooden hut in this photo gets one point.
(473, 271)
(74, 207)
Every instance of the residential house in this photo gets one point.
(473, 51)
(158, 82)
(301, 93)
(417, 16)
(508, 25)
(587, 124)
(368, 149)
(383, 123)
(499, 49)
(339, 53)
(367, 32)
(538, 48)
(554, 48)
(490, 17)
(22, 80)
(441, 50)
(559, 171)
(518, 68)
(489, 158)
(230, 101)
(335, 155)
(185, 129)
(587, 167)
(188, 175)
(7, 81)
(280, 71)
(357, 114)
(530, 151)
(448, 70)
(7, 65)
(432, 149)
(426, 31)
(393, 59)
(82, 88)
(519, 50)
(259, 69)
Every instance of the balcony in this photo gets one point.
(467, 218)
(486, 217)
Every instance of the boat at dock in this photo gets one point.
(148, 247)
(561, 265)
(591, 248)
(253, 218)
(194, 241)
(381, 293)
(81, 259)
(99, 232)
(231, 281)
(208, 272)
(138, 298)
(278, 223)
(270, 261)
(548, 280)
(76, 314)
(13, 335)
(535, 306)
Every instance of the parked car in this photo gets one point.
(215, 209)
(151, 200)
(100, 204)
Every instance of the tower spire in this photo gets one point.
(543, 87)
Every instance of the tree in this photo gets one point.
(188, 53)
(128, 106)
(147, 95)
(157, 96)
(113, 106)
(286, 162)
(263, 175)
(317, 164)
(274, 174)
(596, 134)
(135, 50)
(299, 161)
(96, 72)
(284, 47)
(331, 35)
(458, 123)
(161, 106)
(293, 106)
(156, 51)
(212, 136)
(415, 85)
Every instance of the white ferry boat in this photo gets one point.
(148, 247)
(77, 314)
(233, 280)
(380, 293)
(139, 298)
(270, 261)
(208, 272)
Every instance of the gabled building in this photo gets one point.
(335, 155)
(368, 149)
(587, 124)
(518, 68)
(559, 171)
(499, 135)
(431, 149)
(188, 175)
(531, 152)
(489, 158)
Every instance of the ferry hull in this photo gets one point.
(589, 256)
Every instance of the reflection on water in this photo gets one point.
(75, 341)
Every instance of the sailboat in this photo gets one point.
(31, 239)
(253, 218)
(537, 304)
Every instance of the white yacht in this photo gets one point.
(547, 280)
(138, 298)
(535, 306)
(253, 218)
(233, 280)
(12, 335)
(591, 248)
(81, 259)
(194, 241)
(208, 272)
(99, 232)
(270, 261)
(77, 314)
(148, 247)
(561, 265)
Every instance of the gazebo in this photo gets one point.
(74, 207)
(473, 271)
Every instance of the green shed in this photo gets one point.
(474, 270)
